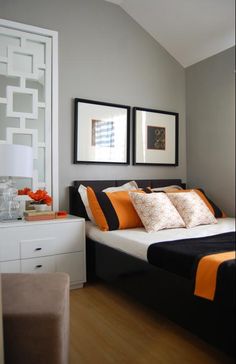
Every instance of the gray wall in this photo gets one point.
(210, 104)
(104, 55)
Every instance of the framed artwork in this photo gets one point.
(155, 137)
(101, 132)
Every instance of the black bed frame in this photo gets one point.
(166, 292)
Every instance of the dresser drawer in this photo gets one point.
(33, 248)
(38, 265)
(73, 264)
(9, 246)
(44, 246)
(12, 266)
(68, 237)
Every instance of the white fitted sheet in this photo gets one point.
(136, 241)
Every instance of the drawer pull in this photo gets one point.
(38, 249)
(39, 266)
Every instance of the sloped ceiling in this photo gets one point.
(190, 30)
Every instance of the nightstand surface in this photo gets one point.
(21, 223)
(44, 246)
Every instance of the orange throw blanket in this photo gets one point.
(206, 276)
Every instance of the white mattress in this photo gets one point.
(136, 241)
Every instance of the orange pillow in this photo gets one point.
(113, 210)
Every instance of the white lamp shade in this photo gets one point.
(16, 160)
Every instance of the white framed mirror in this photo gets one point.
(29, 99)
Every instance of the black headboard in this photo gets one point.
(76, 206)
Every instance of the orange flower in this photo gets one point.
(41, 197)
(24, 191)
(48, 200)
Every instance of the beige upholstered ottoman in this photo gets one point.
(35, 318)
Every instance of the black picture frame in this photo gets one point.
(161, 151)
(104, 129)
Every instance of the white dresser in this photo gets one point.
(44, 246)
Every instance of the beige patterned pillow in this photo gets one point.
(156, 211)
(192, 209)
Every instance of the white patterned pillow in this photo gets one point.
(166, 188)
(156, 211)
(192, 209)
(132, 185)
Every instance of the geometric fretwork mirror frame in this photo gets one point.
(29, 98)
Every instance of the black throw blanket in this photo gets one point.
(182, 256)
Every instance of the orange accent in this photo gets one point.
(25, 191)
(205, 283)
(224, 214)
(203, 197)
(40, 217)
(61, 214)
(126, 213)
(40, 196)
(96, 210)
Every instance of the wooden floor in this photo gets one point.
(108, 327)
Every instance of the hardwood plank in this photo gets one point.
(107, 327)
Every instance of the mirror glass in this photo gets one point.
(22, 102)
(6, 122)
(5, 41)
(38, 84)
(7, 81)
(25, 99)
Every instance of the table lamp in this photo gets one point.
(15, 161)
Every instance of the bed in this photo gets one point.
(120, 257)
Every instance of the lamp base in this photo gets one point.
(7, 218)
(9, 207)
